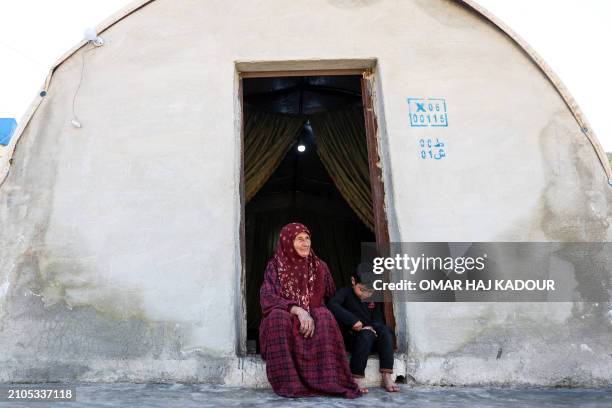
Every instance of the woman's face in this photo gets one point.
(301, 243)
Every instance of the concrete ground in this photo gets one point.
(200, 396)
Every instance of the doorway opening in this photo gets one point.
(308, 151)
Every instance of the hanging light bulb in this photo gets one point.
(302, 139)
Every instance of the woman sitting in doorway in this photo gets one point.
(300, 339)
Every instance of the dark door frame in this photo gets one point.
(381, 227)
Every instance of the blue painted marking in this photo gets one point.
(432, 149)
(7, 127)
(427, 112)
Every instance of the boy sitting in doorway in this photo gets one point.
(364, 328)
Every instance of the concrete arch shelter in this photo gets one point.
(120, 249)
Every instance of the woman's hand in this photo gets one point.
(307, 325)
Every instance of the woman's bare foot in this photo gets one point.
(388, 383)
(361, 384)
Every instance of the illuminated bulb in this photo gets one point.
(301, 148)
(75, 123)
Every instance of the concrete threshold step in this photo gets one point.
(250, 371)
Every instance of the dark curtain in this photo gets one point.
(267, 138)
(341, 145)
(340, 137)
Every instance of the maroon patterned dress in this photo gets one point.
(297, 366)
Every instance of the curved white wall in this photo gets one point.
(119, 240)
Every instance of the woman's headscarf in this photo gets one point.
(299, 276)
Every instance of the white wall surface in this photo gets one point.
(119, 239)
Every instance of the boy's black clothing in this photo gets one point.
(348, 310)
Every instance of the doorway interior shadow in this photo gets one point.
(305, 159)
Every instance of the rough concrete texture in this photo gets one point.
(119, 241)
(201, 396)
(251, 372)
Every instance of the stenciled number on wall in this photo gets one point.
(432, 149)
(427, 112)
